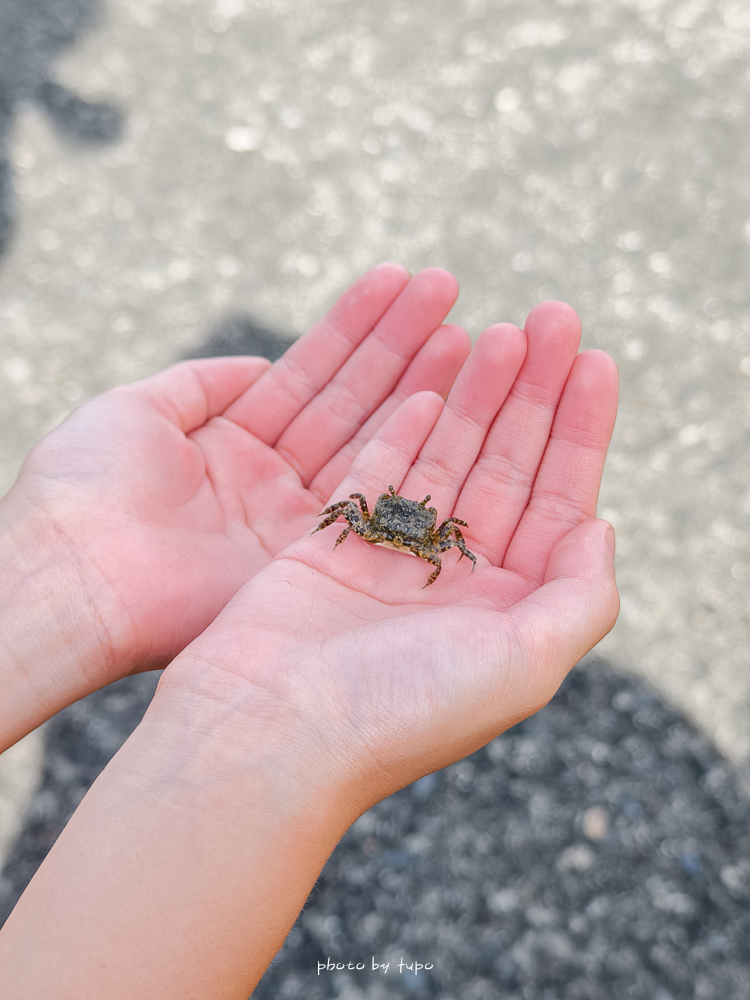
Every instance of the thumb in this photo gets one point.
(576, 606)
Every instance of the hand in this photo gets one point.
(332, 679)
(379, 680)
(154, 502)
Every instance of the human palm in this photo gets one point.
(172, 492)
(401, 679)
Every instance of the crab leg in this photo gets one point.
(362, 503)
(435, 560)
(343, 535)
(333, 512)
(448, 522)
(458, 542)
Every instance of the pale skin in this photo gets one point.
(331, 679)
(147, 509)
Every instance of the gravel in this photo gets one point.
(600, 849)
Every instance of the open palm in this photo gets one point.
(395, 679)
(170, 493)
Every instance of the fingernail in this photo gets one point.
(611, 541)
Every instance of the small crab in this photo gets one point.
(397, 523)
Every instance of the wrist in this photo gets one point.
(226, 722)
(187, 862)
(53, 642)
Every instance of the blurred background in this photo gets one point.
(184, 177)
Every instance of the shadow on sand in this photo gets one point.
(32, 34)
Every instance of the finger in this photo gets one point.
(191, 392)
(434, 368)
(312, 361)
(387, 457)
(559, 622)
(567, 485)
(473, 403)
(499, 486)
(369, 375)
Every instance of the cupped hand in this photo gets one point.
(378, 679)
(166, 495)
